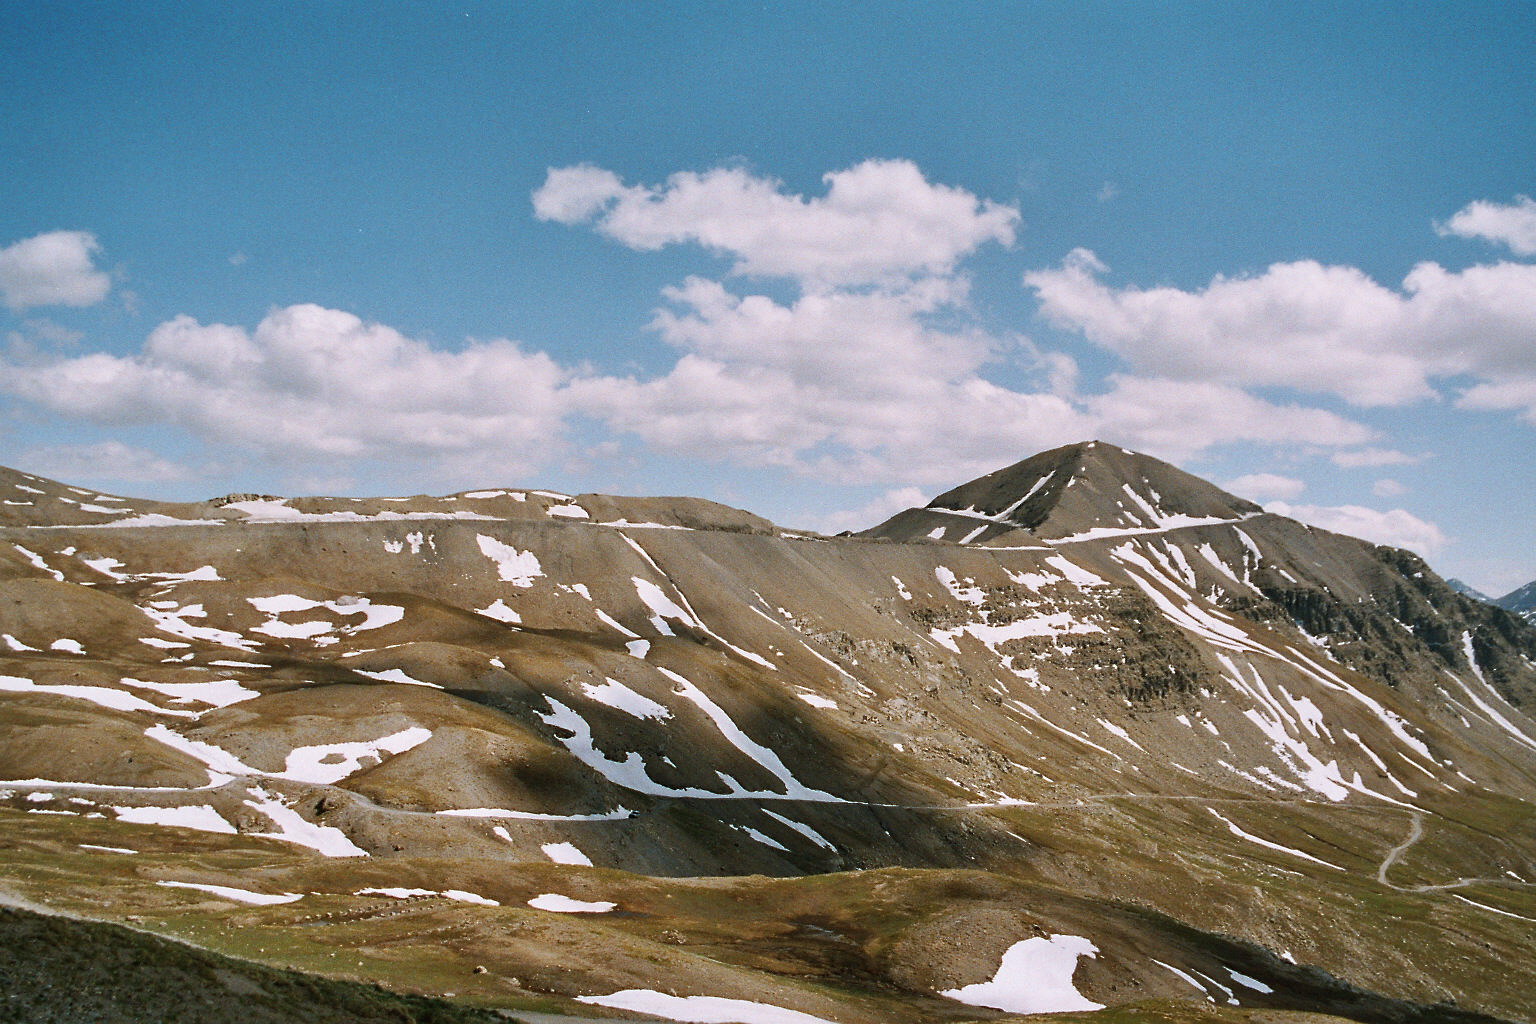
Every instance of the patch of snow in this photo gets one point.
(326, 840)
(107, 697)
(558, 904)
(742, 742)
(67, 645)
(662, 607)
(1035, 976)
(1199, 987)
(1247, 982)
(937, 533)
(374, 616)
(1488, 709)
(519, 568)
(817, 701)
(198, 816)
(172, 620)
(566, 853)
(1250, 837)
(614, 624)
(616, 695)
(260, 899)
(969, 594)
(567, 512)
(499, 611)
(162, 644)
(328, 763)
(37, 562)
(619, 813)
(395, 675)
(402, 893)
(219, 693)
(1496, 910)
(1116, 730)
(700, 1009)
(804, 829)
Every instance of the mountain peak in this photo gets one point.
(1082, 488)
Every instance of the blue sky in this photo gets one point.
(817, 260)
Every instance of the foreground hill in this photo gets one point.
(1088, 718)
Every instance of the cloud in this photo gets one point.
(1518, 395)
(872, 369)
(1511, 224)
(1265, 485)
(1176, 419)
(52, 269)
(853, 385)
(880, 221)
(874, 512)
(1386, 487)
(1107, 191)
(109, 460)
(1315, 328)
(873, 385)
(1396, 528)
(315, 383)
(1373, 457)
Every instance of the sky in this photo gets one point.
(818, 260)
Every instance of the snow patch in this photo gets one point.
(558, 904)
(519, 568)
(700, 1009)
(260, 899)
(1035, 976)
(566, 853)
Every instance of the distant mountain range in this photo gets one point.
(1521, 601)
(1086, 731)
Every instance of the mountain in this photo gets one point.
(1087, 719)
(1468, 590)
(1074, 492)
(1521, 601)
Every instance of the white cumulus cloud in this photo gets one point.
(1517, 395)
(1357, 458)
(1303, 325)
(875, 511)
(311, 382)
(880, 220)
(56, 268)
(107, 460)
(1175, 419)
(1254, 486)
(1512, 224)
(1396, 528)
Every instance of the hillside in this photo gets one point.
(1088, 718)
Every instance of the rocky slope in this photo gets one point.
(1088, 718)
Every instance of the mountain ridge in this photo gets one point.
(879, 762)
